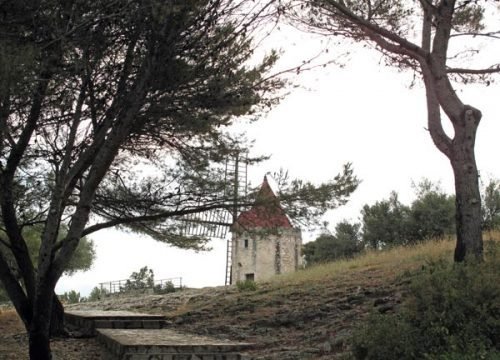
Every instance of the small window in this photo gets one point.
(249, 277)
(246, 243)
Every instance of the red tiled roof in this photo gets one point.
(267, 213)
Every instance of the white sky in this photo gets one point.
(364, 113)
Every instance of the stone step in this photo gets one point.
(166, 344)
(86, 322)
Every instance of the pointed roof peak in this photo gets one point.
(265, 191)
(267, 211)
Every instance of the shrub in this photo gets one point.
(71, 297)
(247, 285)
(452, 313)
(97, 294)
(165, 288)
(345, 243)
(141, 280)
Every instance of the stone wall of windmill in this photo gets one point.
(264, 242)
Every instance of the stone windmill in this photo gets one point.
(263, 241)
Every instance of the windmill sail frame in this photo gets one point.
(216, 223)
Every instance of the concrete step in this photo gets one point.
(166, 344)
(86, 322)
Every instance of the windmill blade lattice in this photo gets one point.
(216, 223)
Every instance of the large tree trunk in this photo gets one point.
(39, 345)
(468, 197)
(57, 328)
(39, 332)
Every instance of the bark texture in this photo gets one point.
(468, 197)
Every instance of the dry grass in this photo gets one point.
(10, 322)
(392, 262)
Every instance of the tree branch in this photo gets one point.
(426, 25)
(492, 34)
(438, 135)
(84, 161)
(102, 160)
(443, 29)
(9, 217)
(348, 15)
(163, 215)
(492, 70)
(15, 291)
(4, 115)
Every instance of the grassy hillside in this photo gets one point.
(310, 314)
(321, 312)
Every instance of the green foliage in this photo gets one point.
(165, 288)
(491, 205)
(432, 214)
(81, 260)
(345, 243)
(306, 202)
(452, 312)
(469, 18)
(389, 222)
(71, 297)
(143, 279)
(97, 294)
(246, 285)
(385, 223)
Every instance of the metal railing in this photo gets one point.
(116, 286)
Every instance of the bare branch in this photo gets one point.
(492, 34)
(154, 217)
(491, 70)
(388, 36)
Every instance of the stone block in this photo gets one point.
(165, 344)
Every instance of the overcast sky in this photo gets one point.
(364, 113)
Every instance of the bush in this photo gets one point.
(452, 313)
(141, 280)
(165, 288)
(345, 243)
(247, 285)
(97, 294)
(71, 297)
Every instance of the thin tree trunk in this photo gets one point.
(468, 197)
